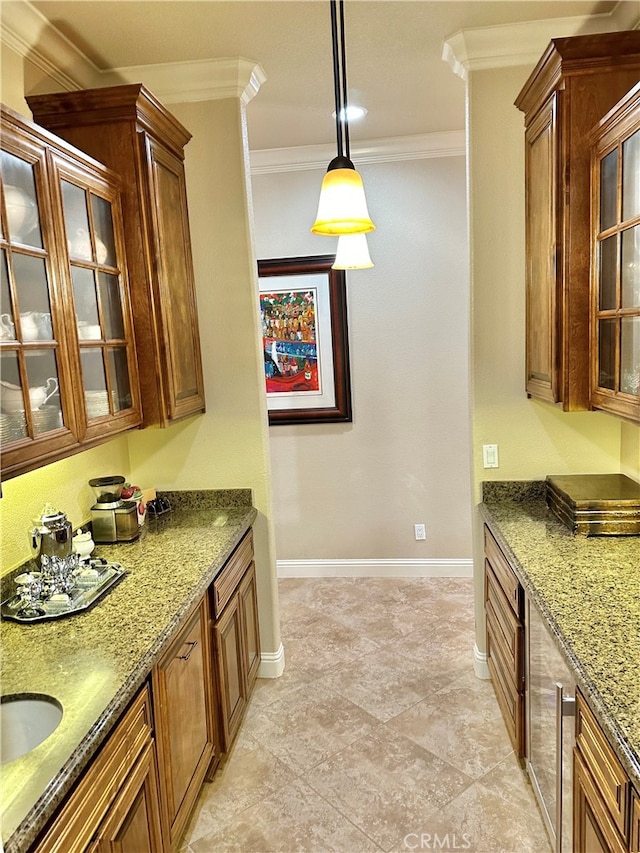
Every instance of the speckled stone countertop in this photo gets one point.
(94, 662)
(588, 589)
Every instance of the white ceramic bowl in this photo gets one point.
(22, 212)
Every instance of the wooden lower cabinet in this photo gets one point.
(606, 809)
(115, 806)
(227, 632)
(504, 610)
(183, 705)
(593, 828)
(248, 601)
(237, 647)
(236, 637)
(133, 824)
(634, 830)
(138, 793)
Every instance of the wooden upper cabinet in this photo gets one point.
(574, 84)
(615, 323)
(126, 128)
(69, 377)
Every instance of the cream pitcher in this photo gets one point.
(30, 325)
(7, 329)
(12, 400)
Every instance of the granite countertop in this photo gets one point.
(94, 662)
(588, 589)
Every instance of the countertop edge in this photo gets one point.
(62, 783)
(628, 758)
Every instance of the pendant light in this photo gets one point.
(342, 208)
(352, 253)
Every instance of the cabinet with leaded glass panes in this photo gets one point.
(615, 296)
(68, 376)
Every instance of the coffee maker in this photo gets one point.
(112, 519)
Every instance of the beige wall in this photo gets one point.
(12, 81)
(354, 491)
(227, 447)
(534, 439)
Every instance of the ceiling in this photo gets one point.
(394, 53)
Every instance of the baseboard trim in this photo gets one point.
(418, 568)
(480, 664)
(271, 663)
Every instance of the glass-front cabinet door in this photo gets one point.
(615, 326)
(34, 370)
(67, 360)
(99, 297)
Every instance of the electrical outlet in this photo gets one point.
(420, 531)
(490, 456)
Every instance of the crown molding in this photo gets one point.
(27, 32)
(507, 45)
(198, 80)
(307, 157)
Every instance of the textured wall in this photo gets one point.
(354, 491)
(228, 446)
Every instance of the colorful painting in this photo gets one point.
(305, 342)
(289, 339)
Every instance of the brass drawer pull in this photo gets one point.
(188, 654)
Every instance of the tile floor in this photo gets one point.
(377, 737)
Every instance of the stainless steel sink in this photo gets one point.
(26, 720)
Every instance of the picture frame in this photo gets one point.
(305, 340)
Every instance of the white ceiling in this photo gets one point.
(394, 53)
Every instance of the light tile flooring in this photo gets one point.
(377, 737)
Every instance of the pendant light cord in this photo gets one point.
(345, 102)
(340, 77)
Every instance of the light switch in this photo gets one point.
(490, 456)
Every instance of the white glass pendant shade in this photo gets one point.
(342, 208)
(352, 253)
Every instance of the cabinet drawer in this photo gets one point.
(608, 774)
(509, 625)
(85, 809)
(509, 698)
(505, 575)
(225, 584)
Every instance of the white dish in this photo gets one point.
(89, 332)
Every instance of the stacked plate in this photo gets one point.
(97, 403)
(46, 419)
(13, 427)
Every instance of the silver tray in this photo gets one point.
(80, 598)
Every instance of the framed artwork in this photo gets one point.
(305, 342)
